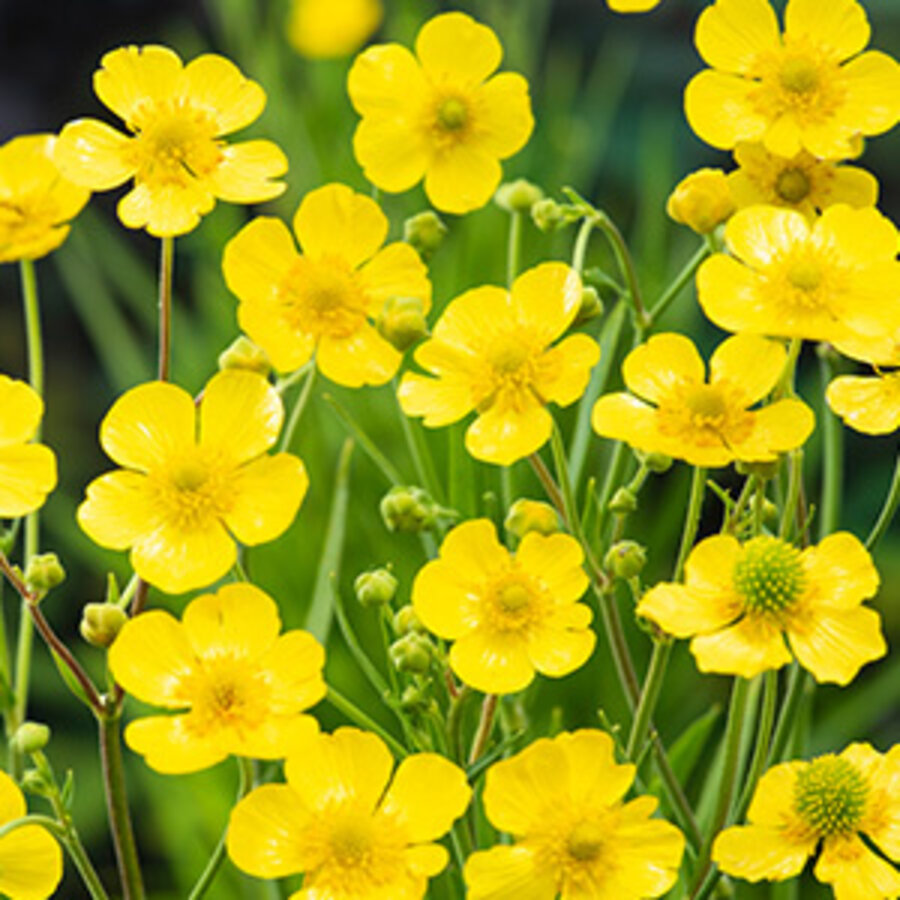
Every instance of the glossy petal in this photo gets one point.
(395, 271)
(841, 26)
(755, 852)
(166, 210)
(274, 738)
(118, 509)
(625, 418)
(709, 565)
(93, 154)
(566, 369)
(12, 801)
(27, 475)
(386, 82)
(855, 872)
(750, 363)
(841, 570)
(454, 47)
(441, 401)
(853, 186)
(503, 436)
(663, 363)
(257, 260)
(730, 295)
(492, 662)
(472, 548)
(746, 649)
(216, 85)
(471, 320)
(594, 775)
(363, 357)
(872, 85)
(731, 34)
(719, 109)
(444, 600)
(327, 30)
(246, 170)
(508, 872)
(683, 612)
(22, 409)
(556, 560)
(293, 667)
(870, 405)
(131, 76)
(503, 114)
(287, 347)
(426, 859)
(547, 298)
(859, 236)
(556, 652)
(462, 179)
(393, 153)
(768, 806)
(31, 864)
(170, 746)
(777, 428)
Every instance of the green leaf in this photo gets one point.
(70, 680)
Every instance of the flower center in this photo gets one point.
(768, 575)
(452, 114)
(705, 415)
(705, 401)
(226, 692)
(830, 796)
(351, 840)
(792, 185)
(323, 297)
(514, 602)
(191, 490)
(805, 274)
(508, 354)
(799, 75)
(513, 597)
(585, 842)
(189, 475)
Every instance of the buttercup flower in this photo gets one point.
(36, 202)
(490, 351)
(508, 615)
(324, 300)
(177, 116)
(561, 799)
(739, 601)
(706, 423)
(31, 864)
(328, 28)
(193, 484)
(27, 471)
(439, 114)
(802, 182)
(810, 88)
(243, 685)
(630, 6)
(357, 833)
(835, 279)
(835, 800)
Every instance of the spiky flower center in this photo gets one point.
(830, 796)
(769, 575)
(792, 185)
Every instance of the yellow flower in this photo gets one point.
(31, 864)
(800, 182)
(328, 28)
(243, 685)
(357, 833)
(834, 799)
(870, 404)
(177, 116)
(27, 471)
(508, 615)
(630, 6)
(702, 200)
(740, 600)
(439, 114)
(792, 92)
(836, 278)
(704, 423)
(561, 799)
(324, 300)
(36, 202)
(192, 484)
(491, 352)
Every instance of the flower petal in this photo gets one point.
(473, 550)
(444, 599)
(750, 363)
(684, 611)
(867, 404)
(860, 237)
(625, 418)
(395, 271)
(872, 84)
(504, 434)
(274, 738)
(287, 347)
(12, 800)
(661, 365)
(386, 81)
(166, 209)
(462, 178)
(129, 77)
(426, 859)
(556, 652)
(293, 672)
(841, 27)
(393, 152)
(719, 108)
(502, 114)
(746, 649)
(27, 476)
(841, 570)
(170, 746)
(454, 48)
(546, 299)
(777, 428)
(557, 561)
(771, 805)
(363, 357)
(470, 321)
(440, 400)
(492, 661)
(118, 509)
(564, 370)
(755, 852)
(731, 296)
(508, 872)
(245, 172)
(854, 871)
(216, 86)
(257, 259)
(31, 863)
(731, 34)
(93, 154)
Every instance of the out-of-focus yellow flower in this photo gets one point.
(869, 403)
(27, 471)
(356, 832)
(739, 601)
(177, 116)
(794, 91)
(702, 200)
(36, 202)
(439, 114)
(835, 800)
(243, 685)
(330, 28)
(193, 483)
(561, 799)
(802, 182)
(630, 6)
(837, 278)
(490, 351)
(31, 864)
(508, 615)
(706, 423)
(324, 301)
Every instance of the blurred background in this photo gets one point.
(607, 95)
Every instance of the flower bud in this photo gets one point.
(623, 502)
(36, 782)
(101, 623)
(242, 353)
(411, 653)
(764, 470)
(416, 699)
(407, 622)
(425, 232)
(655, 462)
(547, 215)
(407, 508)
(769, 512)
(44, 572)
(31, 737)
(625, 559)
(401, 321)
(375, 588)
(701, 201)
(531, 515)
(591, 306)
(518, 196)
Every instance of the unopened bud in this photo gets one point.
(531, 515)
(31, 737)
(411, 653)
(407, 509)
(406, 621)
(242, 353)
(591, 306)
(764, 470)
(518, 196)
(623, 502)
(655, 462)
(415, 699)
(44, 572)
(36, 782)
(769, 512)
(547, 215)
(625, 559)
(425, 232)
(375, 588)
(401, 321)
(701, 201)
(101, 623)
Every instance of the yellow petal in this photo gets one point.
(731, 34)
(152, 657)
(426, 859)
(750, 363)
(755, 852)
(275, 737)
(91, 153)
(267, 494)
(502, 111)
(630, 6)
(118, 509)
(720, 110)
(245, 170)
(293, 667)
(34, 248)
(557, 561)
(287, 347)
(760, 233)
(625, 418)
(31, 864)
(546, 299)
(473, 550)
(505, 434)
(772, 804)
(166, 210)
(240, 415)
(746, 649)
(257, 259)
(264, 832)
(27, 475)
(841, 27)
(148, 425)
(131, 76)
(494, 662)
(428, 793)
(564, 371)
(445, 599)
(777, 428)
(395, 271)
(454, 48)
(860, 236)
(216, 86)
(462, 178)
(872, 85)
(508, 873)
(840, 570)
(851, 185)
(363, 357)
(683, 612)
(335, 221)
(594, 776)
(12, 801)
(170, 746)
(440, 400)
(324, 30)
(786, 137)
(556, 652)
(732, 297)
(709, 565)
(854, 871)
(386, 81)
(394, 153)
(471, 320)
(663, 363)
(869, 405)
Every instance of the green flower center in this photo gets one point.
(452, 114)
(799, 75)
(792, 185)
(706, 402)
(351, 841)
(513, 597)
(830, 796)
(189, 475)
(514, 602)
(805, 275)
(768, 575)
(585, 841)
(507, 355)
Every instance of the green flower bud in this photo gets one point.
(623, 502)
(101, 623)
(401, 321)
(425, 232)
(764, 470)
(242, 353)
(375, 588)
(44, 572)
(411, 653)
(770, 512)
(625, 559)
(655, 462)
(591, 306)
(518, 196)
(31, 737)
(547, 215)
(407, 622)
(36, 782)
(415, 699)
(407, 508)
(531, 515)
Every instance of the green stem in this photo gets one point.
(513, 247)
(384, 465)
(355, 714)
(656, 673)
(33, 819)
(166, 260)
(581, 244)
(692, 519)
(293, 421)
(795, 483)
(626, 267)
(832, 462)
(454, 723)
(678, 285)
(763, 739)
(485, 726)
(886, 516)
(787, 718)
(418, 450)
(204, 882)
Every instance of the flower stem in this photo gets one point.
(485, 726)
(692, 520)
(166, 260)
(832, 461)
(656, 673)
(296, 413)
(787, 718)
(513, 247)
(581, 243)
(626, 267)
(886, 516)
(763, 739)
(678, 284)
(355, 714)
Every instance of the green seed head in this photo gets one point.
(768, 575)
(830, 796)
